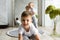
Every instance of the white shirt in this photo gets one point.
(32, 30)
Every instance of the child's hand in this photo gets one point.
(30, 39)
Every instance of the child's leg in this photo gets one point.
(25, 38)
(32, 37)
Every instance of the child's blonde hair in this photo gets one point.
(29, 4)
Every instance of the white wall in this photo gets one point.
(10, 10)
(6, 12)
(3, 13)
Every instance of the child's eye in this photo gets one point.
(27, 20)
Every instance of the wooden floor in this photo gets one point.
(3, 35)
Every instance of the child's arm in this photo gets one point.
(37, 37)
(20, 32)
(35, 32)
(20, 37)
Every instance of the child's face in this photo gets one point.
(26, 21)
(31, 5)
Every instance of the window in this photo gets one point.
(48, 21)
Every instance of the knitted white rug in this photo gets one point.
(14, 32)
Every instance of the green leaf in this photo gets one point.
(49, 9)
(52, 14)
(52, 11)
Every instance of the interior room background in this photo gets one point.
(10, 9)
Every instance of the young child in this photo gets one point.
(31, 5)
(27, 30)
(34, 19)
